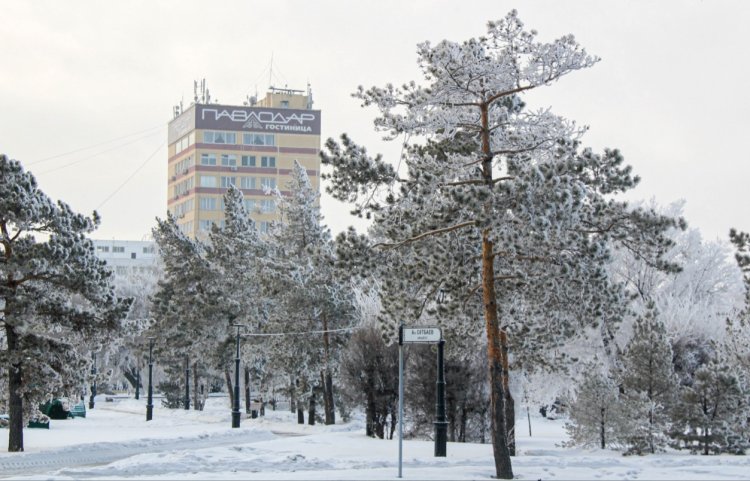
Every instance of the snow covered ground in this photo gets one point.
(115, 442)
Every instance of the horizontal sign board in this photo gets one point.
(257, 119)
(422, 334)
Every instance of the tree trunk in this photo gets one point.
(601, 428)
(510, 404)
(228, 378)
(500, 449)
(330, 407)
(197, 396)
(326, 377)
(503, 468)
(300, 416)
(292, 395)
(15, 400)
(248, 406)
(311, 410)
(370, 415)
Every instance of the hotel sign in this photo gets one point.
(257, 119)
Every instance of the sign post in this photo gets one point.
(421, 335)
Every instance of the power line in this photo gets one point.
(132, 175)
(55, 169)
(92, 146)
(277, 334)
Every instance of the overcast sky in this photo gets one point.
(87, 87)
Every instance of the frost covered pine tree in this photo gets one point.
(595, 412)
(54, 295)
(237, 256)
(536, 211)
(649, 386)
(712, 412)
(311, 295)
(184, 307)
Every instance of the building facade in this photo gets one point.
(127, 257)
(253, 147)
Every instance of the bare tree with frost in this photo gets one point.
(529, 212)
(54, 295)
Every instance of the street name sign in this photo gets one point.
(422, 334)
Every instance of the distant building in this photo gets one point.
(128, 256)
(252, 146)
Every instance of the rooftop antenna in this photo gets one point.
(195, 91)
(270, 70)
(309, 96)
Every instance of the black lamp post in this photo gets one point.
(236, 404)
(441, 424)
(93, 385)
(150, 400)
(187, 382)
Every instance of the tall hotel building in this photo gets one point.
(253, 147)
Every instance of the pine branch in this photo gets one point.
(425, 234)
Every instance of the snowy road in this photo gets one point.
(104, 453)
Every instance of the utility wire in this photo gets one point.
(271, 334)
(132, 175)
(55, 169)
(92, 146)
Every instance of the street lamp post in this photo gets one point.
(93, 385)
(150, 400)
(187, 382)
(441, 424)
(236, 404)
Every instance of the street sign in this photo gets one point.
(422, 334)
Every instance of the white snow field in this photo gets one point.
(115, 442)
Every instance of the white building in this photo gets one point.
(128, 256)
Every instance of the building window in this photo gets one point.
(184, 143)
(102, 248)
(263, 226)
(267, 206)
(267, 161)
(247, 182)
(248, 161)
(208, 203)
(182, 167)
(149, 250)
(249, 204)
(208, 181)
(204, 225)
(284, 104)
(219, 137)
(132, 255)
(228, 160)
(258, 139)
(227, 181)
(267, 183)
(118, 249)
(208, 159)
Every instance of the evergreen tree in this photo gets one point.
(649, 385)
(712, 413)
(54, 295)
(310, 294)
(237, 256)
(595, 414)
(515, 208)
(187, 321)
